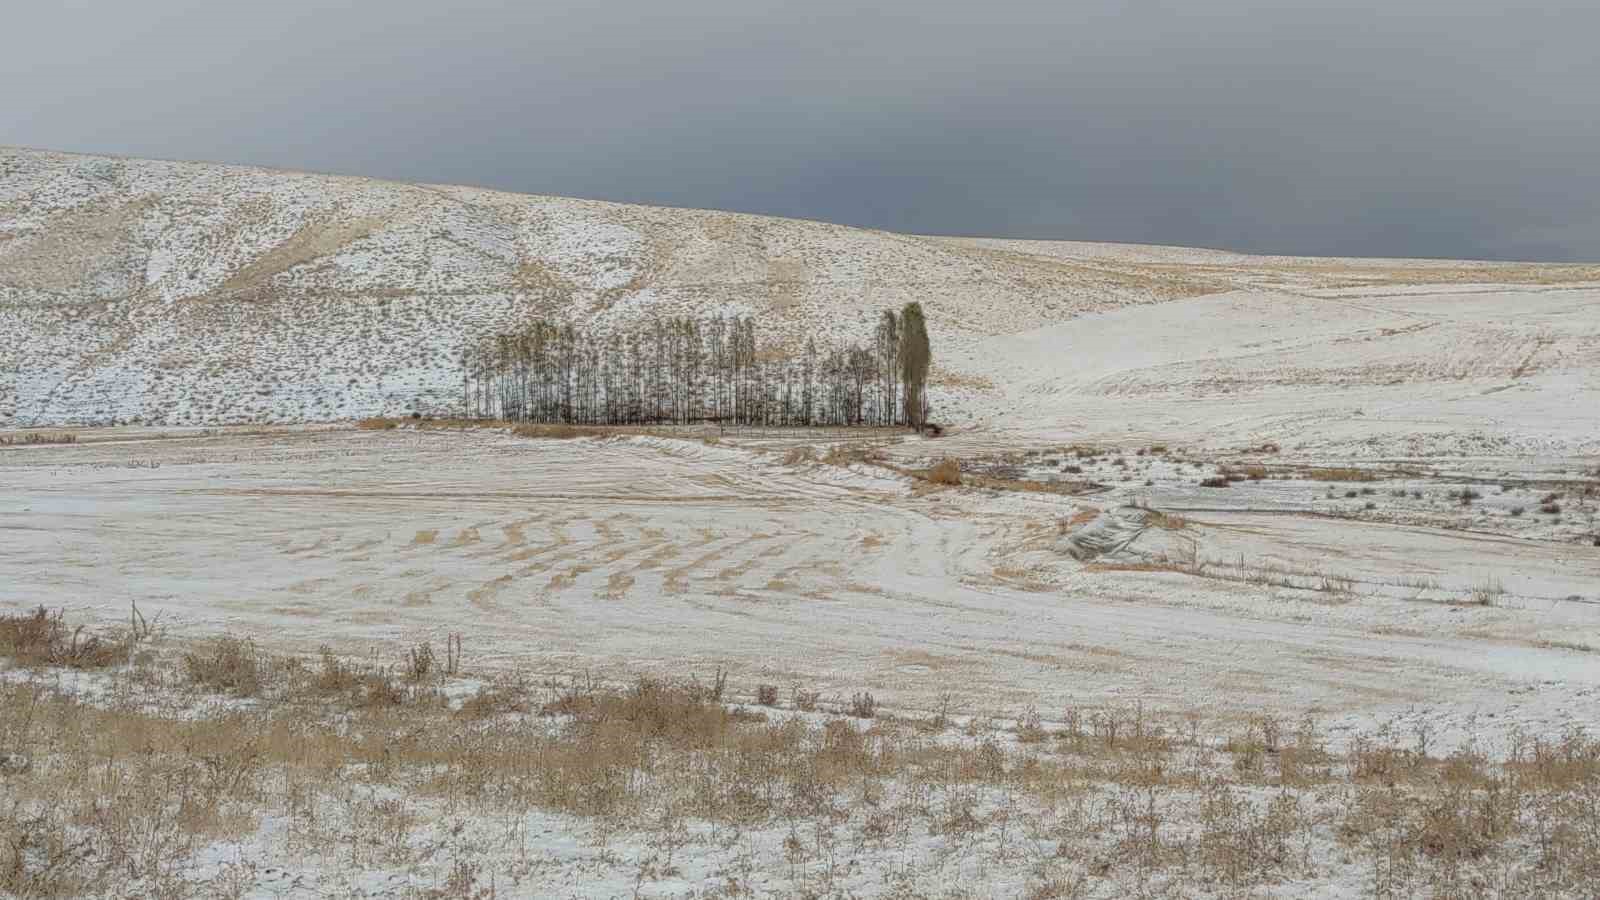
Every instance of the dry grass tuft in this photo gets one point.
(378, 423)
(851, 454)
(491, 701)
(1486, 593)
(1169, 521)
(1081, 517)
(232, 667)
(950, 379)
(1030, 729)
(863, 706)
(797, 456)
(1340, 474)
(420, 662)
(41, 638)
(945, 471)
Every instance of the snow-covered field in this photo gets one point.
(603, 559)
(1400, 529)
(646, 554)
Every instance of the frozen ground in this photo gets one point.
(665, 555)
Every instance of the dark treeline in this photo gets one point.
(685, 371)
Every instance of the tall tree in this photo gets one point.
(888, 340)
(915, 357)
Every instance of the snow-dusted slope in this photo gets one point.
(1508, 370)
(163, 292)
(181, 292)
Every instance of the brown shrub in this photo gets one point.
(233, 666)
(796, 456)
(41, 638)
(767, 694)
(863, 706)
(850, 454)
(335, 676)
(378, 423)
(1029, 728)
(713, 692)
(945, 471)
(684, 716)
(1168, 521)
(419, 661)
(493, 700)
(803, 700)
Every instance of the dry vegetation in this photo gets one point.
(41, 638)
(1242, 473)
(1168, 521)
(1340, 474)
(122, 789)
(996, 472)
(1344, 275)
(1334, 585)
(945, 471)
(37, 437)
(520, 429)
(799, 456)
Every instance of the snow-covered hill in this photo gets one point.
(165, 292)
(180, 292)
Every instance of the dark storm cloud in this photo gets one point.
(1409, 128)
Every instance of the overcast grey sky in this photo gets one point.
(1455, 128)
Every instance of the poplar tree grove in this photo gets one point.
(682, 371)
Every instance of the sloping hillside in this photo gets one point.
(178, 292)
(162, 292)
